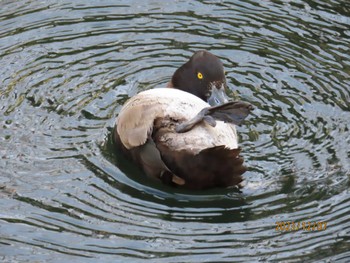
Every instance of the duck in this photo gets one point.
(184, 134)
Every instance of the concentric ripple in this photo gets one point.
(69, 66)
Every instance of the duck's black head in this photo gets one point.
(203, 75)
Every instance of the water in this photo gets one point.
(68, 66)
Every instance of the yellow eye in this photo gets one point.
(199, 75)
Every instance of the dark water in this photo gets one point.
(68, 66)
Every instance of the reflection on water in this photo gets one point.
(69, 66)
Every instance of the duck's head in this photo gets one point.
(204, 76)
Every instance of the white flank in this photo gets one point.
(136, 119)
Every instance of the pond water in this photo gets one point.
(68, 67)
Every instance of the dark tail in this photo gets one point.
(213, 167)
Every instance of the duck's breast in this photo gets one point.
(202, 136)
